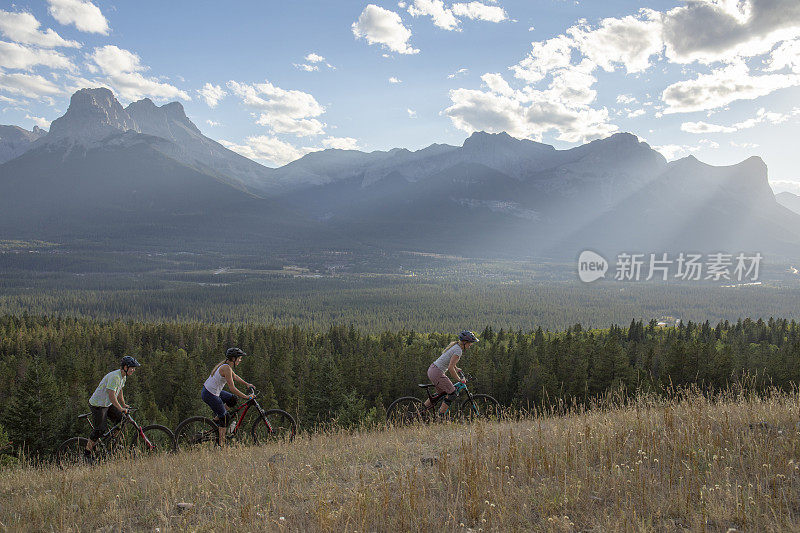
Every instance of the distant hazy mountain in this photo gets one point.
(117, 174)
(94, 115)
(789, 200)
(141, 173)
(500, 195)
(15, 141)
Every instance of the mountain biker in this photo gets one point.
(216, 398)
(108, 401)
(449, 361)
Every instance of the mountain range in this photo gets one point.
(145, 174)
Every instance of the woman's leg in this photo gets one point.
(443, 384)
(216, 405)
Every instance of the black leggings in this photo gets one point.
(99, 418)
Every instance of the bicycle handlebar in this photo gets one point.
(467, 376)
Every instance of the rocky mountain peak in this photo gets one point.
(14, 141)
(92, 115)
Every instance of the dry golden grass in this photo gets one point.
(688, 464)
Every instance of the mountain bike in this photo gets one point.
(126, 436)
(410, 409)
(269, 426)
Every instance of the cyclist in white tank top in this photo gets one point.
(216, 381)
(216, 398)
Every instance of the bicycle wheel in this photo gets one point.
(70, 453)
(195, 432)
(160, 439)
(282, 427)
(481, 406)
(406, 410)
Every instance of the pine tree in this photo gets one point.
(34, 416)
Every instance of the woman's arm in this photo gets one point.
(240, 380)
(228, 374)
(453, 368)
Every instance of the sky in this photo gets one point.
(274, 80)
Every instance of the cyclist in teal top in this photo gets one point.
(108, 401)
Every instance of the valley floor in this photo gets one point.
(689, 464)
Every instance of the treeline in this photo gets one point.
(50, 366)
(382, 302)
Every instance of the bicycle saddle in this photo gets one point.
(425, 385)
(84, 415)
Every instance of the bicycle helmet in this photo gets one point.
(129, 361)
(233, 353)
(467, 336)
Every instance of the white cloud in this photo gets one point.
(792, 186)
(112, 59)
(381, 26)
(39, 121)
(448, 18)
(528, 113)
(340, 143)
(212, 94)
(29, 85)
(544, 57)
(705, 31)
(626, 99)
(313, 63)
(83, 14)
(268, 149)
(394, 80)
(630, 41)
(123, 73)
(786, 55)
(721, 87)
(744, 145)
(17, 56)
(479, 11)
(720, 30)
(23, 28)
(12, 101)
(636, 113)
(762, 116)
(441, 16)
(705, 127)
(411, 113)
(674, 151)
(213, 124)
(708, 143)
(283, 111)
(459, 72)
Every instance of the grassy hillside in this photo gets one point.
(687, 464)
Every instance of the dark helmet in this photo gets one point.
(233, 353)
(129, 361)
(467, 336)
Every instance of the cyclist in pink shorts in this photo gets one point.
(448, 361)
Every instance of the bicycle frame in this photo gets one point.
(244, 408)
(435, 398)
(118, 427)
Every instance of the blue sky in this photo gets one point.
(718, 79)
